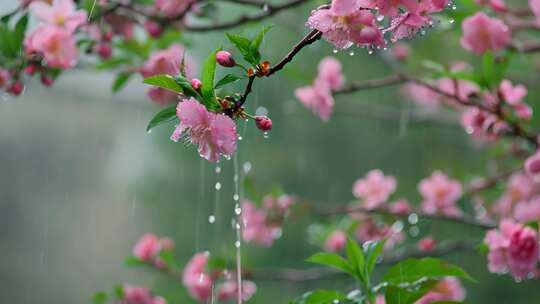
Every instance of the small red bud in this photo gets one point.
(31, 69)
(16, 88)
(263, 123)
(225, 59)
(108, 36)
(196, 84)
(153, 28)
(46, 80)
(104, 50)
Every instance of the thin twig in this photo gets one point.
(310, 38)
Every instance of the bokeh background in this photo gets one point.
(81, 180)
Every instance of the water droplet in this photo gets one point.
(351, 53)
(380, 18)
(237, 244)
(414, 231)
(236, 197)
(451, 21)
(235, 178)
(149, 131)
(218, 186)
(397, 227)
(413, 218)
(454, 7)
(237, 209)
(335, 51)
(211, 219)
(246, 167)
(218, 169)
(370, 52)
(240, 138)
(261, 111)
(266, 135)
(336, 301)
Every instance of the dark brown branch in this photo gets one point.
(372, 84)
(311, 37)
(462, 219)
(303, 275)
(269, 11)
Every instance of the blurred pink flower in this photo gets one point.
(496, 5)
(482, 33)
(61, 13)
(369, 230)
(409, 23)
(214, 134)
(513, 247)
(5, 77)
(440, 194)
(172, 8)
(426, 244)
(447, 289)
(228, 290)
(139, 295)
(195, 278)
(330, 73)
(401, 51)
(513, 95)
(461, 88)
(256, 229)
(534, 5)
(401, 206)
(519, 188)
(344, 24)
(390, 8)
(56, 44)
(532, 164)
(528, 211)
(280, 204)
(150, 246)
(374, 188)
(422, 95)
(318, 98)
(336, 241)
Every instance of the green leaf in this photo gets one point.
(244, 46)
(227, 79)
(399, 295)
(167, 257)
(20, 30)
(164, 81)
(414, 270)
(118, 292)
(356, 258)
(133, 261)
(332, 260)
(100, 297)
(187, 89)
(260, 36)
(208, 75)
(320, 297)
(163, 116)
(120, 81)
(373, 251)
(216, 264)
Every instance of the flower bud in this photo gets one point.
(46, 80)
(16, 88)
(225, 59)
(104, 50)
(108, 36)
(153, 28)
(31, 69)
(196, 84)
(263, 123)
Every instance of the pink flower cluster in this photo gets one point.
(513, 248)
(447, 289)
(55, 38)
(173, 8)
(374, 189)
(169, 62)
(214, 134)
(482, 33)
(513, 96)
(139, 295)
(519, 189)
(357, 22)
(318, 97)
(535, 8)
(263, 225)
(370, 230)
(440, 194)
(149, 247)
(198, 280)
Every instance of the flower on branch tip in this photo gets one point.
(196, 84)
(336, 241)
(482, 33)
(196, 278)
(139, 295)
(16, 88)
(214, 134)
(149, 247)
(440, 194)
(61, 13)
(225, 59)
(228, 290)
(56, 44)
(374, 189)
(513, 96)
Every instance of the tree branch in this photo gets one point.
(311, 37)
(372, 84)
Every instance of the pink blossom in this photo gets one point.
(330, 73)
(196, 279)
(519, 188)
(61, 13)
(229, 290)
(318, 98)
(447, 289)
(225, 59)
(336, 241)
(263, 123)
(139, 295)
(409, 23)
(391, 8)
(5, 77)
(401, 51)
(256, 228)
(150, 246)
(461, 88)
(422, 95)
(280, 204)
(369, 230)
(374, 188)
(482, 33)
(440, 194)
(513, 248)
(172, 8)
(344, 24)
(169, 62)
(482, 125)
(534, 5)
(56, 44)
(528, 211)
(380, 300)
(401, 206)
(426, 244)
(214, 134)
(513, 95)
(496, 5)
(532, 164)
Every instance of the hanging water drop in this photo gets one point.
(351, 53)
(211, 219)
(236, 197)
(380, 18)
(334, 51)
(451, 21)
(246, 167)
(218, 186)
(237, 209)
(237, 244)
(266, 135)
(218, 169)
